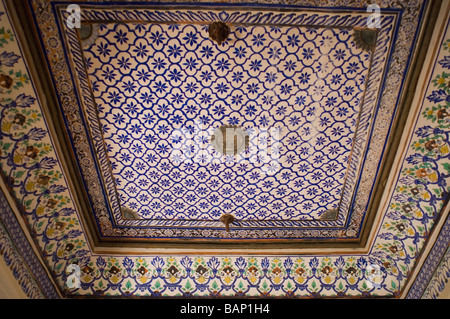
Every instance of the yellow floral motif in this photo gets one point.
(277, 280)
(115, 279)
(40, 211)
(253, 279)
(426, 195)
(6, 127)
(172, 279)
(328, 279)
(29, 186)
(227, 280)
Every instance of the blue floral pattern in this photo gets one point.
(152, 80)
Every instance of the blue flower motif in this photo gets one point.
(118, 119)
(205, 98)
(177, 98)
(222, 88)
(331, 101)
(233, 120)
(337, 131)
(353, 67)
(175, 75)
(255, 65)
(124, 63)
(336, 79)
(146, 97)
(267, 99)
(240, 52)
(123, 138)
(438, 96)
(207, 52)
(271, 77)
(136, 129)
(163, 129)
(191, 38)
(293, 40)
(141, 50)
(125, 158)
(102, 49)
(286, 89)
(129, 86)
(174, 50)
(162, 148)
(274, 53)
(160, 86)
(191, 87)
(300, 100)
(308, 53)
(281, 110)
(339, 54)
(304, 77)
(290, 65)
(250, 110)
(190, 63)
(121, 37)
(109, 74)
(294, 120)
(132, 108)
(114, 97)
(445, 62)
(252, 88)
(206, 76)
(258, 39)
(349, 90)
(157, 37)
(237, 76)
(342, 111)
(222, 64)
(219, 110)
(159, 63)
(191, 109)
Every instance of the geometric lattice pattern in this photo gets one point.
(33, 172)
(167, 87)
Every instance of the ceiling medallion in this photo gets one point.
(230, 140)
(365, 39)
(128, 213)
(88, 33)
(218, 32)
(227, 219)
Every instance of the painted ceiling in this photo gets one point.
(128, 172)
(304, 87)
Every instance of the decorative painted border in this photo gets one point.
(284, 229)
(20, 257)
(415, 204)
(436, 269)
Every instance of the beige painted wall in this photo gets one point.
(9, 287)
